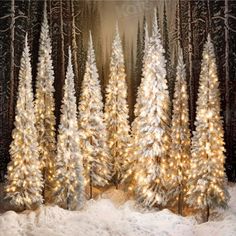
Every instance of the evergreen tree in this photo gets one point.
(116, 110)
(130, 168)
(44, 107)
(92, 127)
(150, 128)
(24, 178)
(207, 183)
(180, 137)
(69, 189)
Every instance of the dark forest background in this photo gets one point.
(70, 21)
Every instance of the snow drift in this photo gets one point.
(104, 218)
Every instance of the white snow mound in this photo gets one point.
(104, 218)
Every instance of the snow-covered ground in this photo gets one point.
(105, 217)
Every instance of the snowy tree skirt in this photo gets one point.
(103, 217)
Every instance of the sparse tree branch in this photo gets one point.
(5, 30)
(4, 17)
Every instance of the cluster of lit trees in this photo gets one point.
(155, 157)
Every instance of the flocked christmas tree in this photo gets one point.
(116, 111)
(44, 108)
(207, 182)
(150, 128)
(131, 164)
(92, 127)
(180, 137)
(24, 178)
(69, 189)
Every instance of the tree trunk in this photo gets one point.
(74, 48)
(90, 187)
(190, 59)
(206, 214)
(227, 97)
(179, 24)
(12, 66)
(180, 203)
(208, 18)
(62, 76)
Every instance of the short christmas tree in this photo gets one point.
(116, 111)
(92, 127)
(24, 178)
(207, 182)
(150, 129)
(69, 189)
(44, 108)
(180, 137)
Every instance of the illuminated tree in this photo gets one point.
(150, 128)
(24, 178)
(116, 111)
(207, 182)
(131, 164)
(180, 137)
(44, 107)
(92, 127)
(69, 189)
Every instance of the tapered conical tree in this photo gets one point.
(24, 178)
(44, 108)
(150, 130)
(180, 138)
(131, 165)
(92, 127)
(207, 182)
(69, 189)
(116, 111)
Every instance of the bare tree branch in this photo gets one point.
(4, 17)
(5, 30)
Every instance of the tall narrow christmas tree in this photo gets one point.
(24, 178)
(92, 127)
(44, 108)
(69, 189)
(180, 137)
(116, 111)
(207, 182)
(132, 163)
(150, 128)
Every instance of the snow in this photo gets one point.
(104, 217)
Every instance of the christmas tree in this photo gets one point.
(207, 182)
(69, 189)
(150, 128)
(92, 127)
(116, 111)
(131, 164)
(180, 137)
(24, 178)
(44, 107)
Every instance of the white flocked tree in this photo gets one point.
(180, 137)
(24, 178)
(92, 127)
(44, 108)
(150, 129)
(132, 161)
(69, 189)
(116, 111)
(207, 181)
